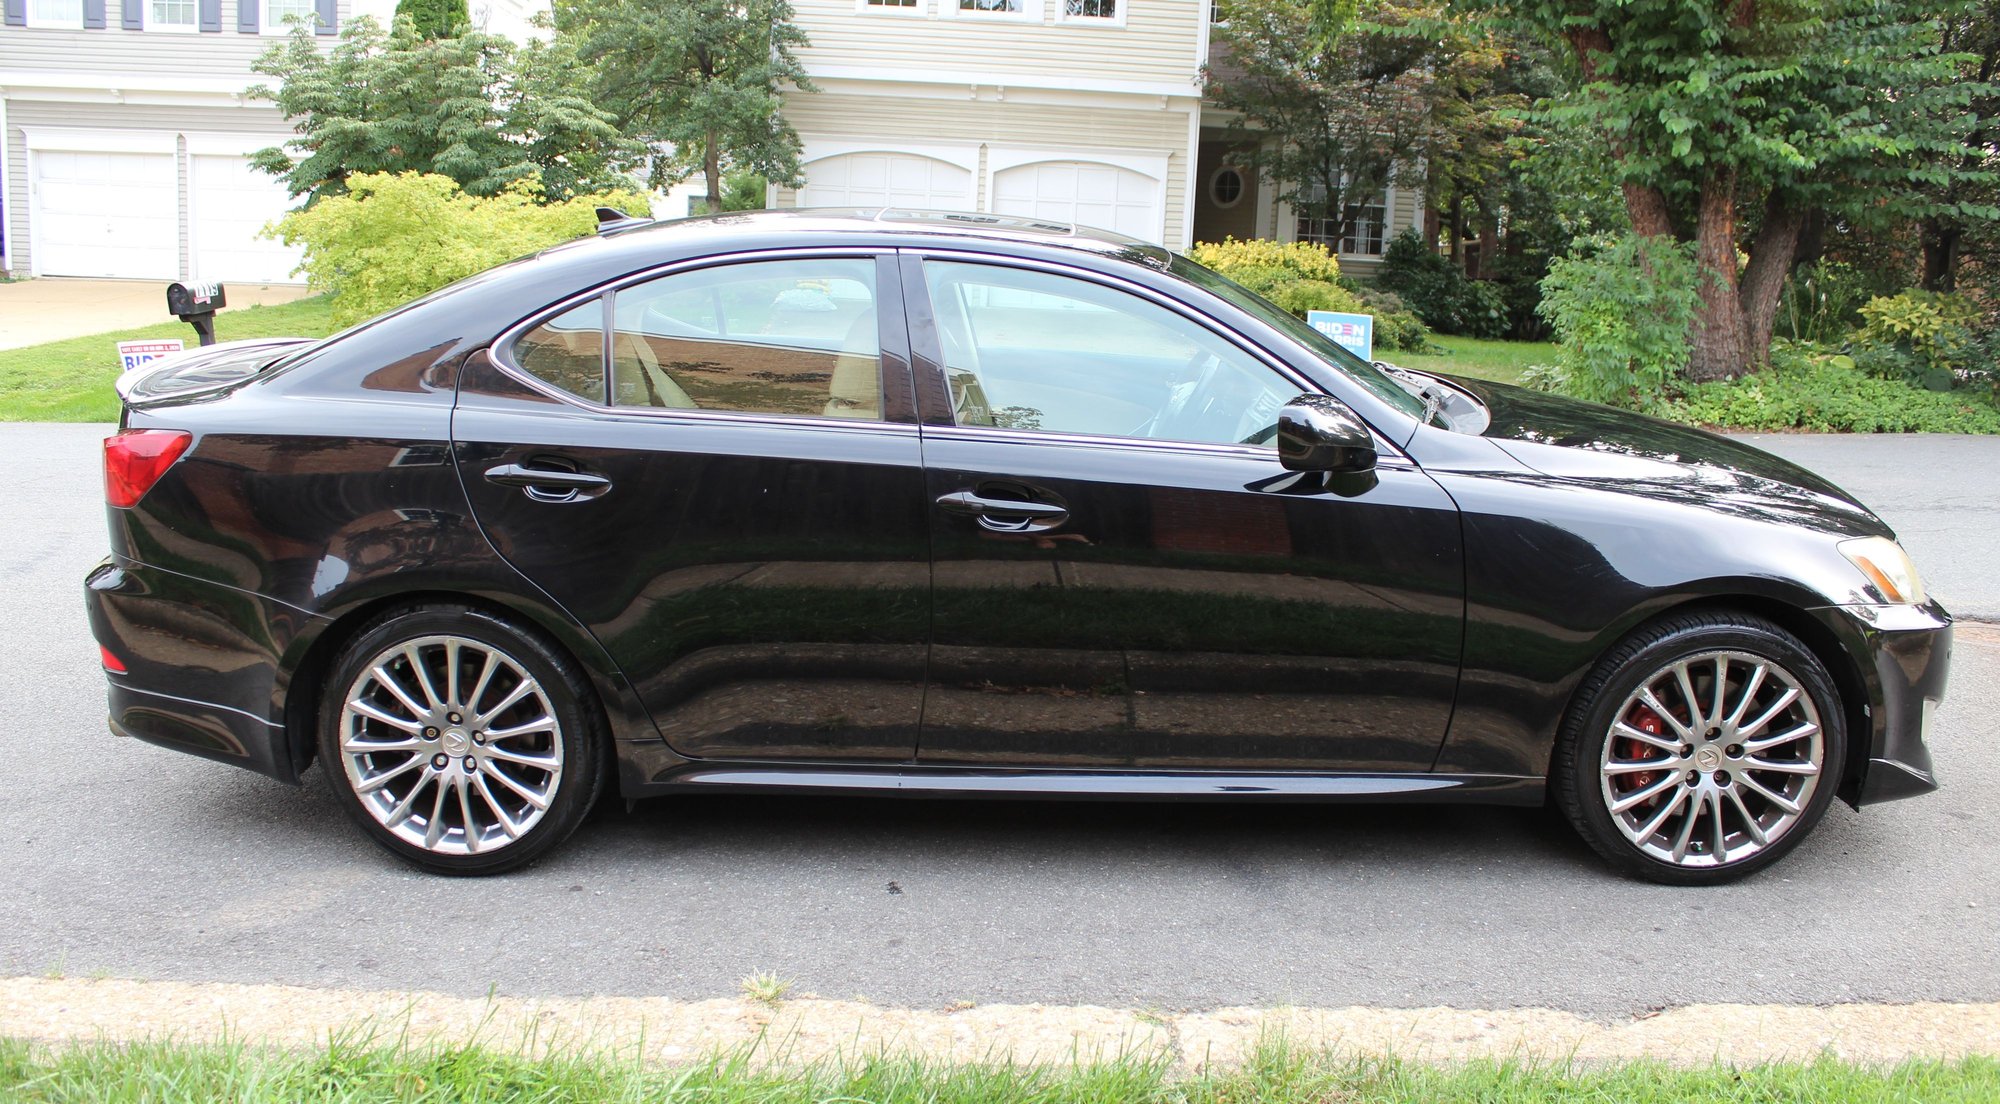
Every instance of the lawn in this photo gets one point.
(70, 380)
(340, 1071)
(1478, 357)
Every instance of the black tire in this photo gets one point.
(485, 840)
(1586, 780)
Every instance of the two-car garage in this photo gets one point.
(1124, 191)
(147, 204)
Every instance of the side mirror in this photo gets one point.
(1318, 433)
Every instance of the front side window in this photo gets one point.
(793, 338)
(170, 15)
(1037, 351)
(278, 14)
(55, 13)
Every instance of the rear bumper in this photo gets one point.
(1904, 653)
(202, 672)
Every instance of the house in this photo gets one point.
(127, 132)
(1086, 111)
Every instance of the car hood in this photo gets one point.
(1614, 449)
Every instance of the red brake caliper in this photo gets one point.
(1647, 721)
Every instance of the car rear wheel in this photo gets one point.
(460, 742)
(1702, 749)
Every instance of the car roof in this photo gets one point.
(961, 225)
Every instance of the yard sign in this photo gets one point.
(1353, 332)
(132, 354)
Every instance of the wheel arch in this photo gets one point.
(308, 672)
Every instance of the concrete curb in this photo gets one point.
(664, 1031)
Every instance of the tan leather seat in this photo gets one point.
(641, 381)
(856, 388)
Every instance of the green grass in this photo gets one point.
(70, 380)
(1477, 357)
(345, 1070)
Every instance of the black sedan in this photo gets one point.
(964, 506)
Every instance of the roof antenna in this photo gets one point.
(611, 218)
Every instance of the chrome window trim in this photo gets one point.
(1384, 447)
(501, 351)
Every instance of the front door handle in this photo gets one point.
(548, 484)
(1003, 515)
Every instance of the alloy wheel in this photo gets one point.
(451, 745)
(1712, 759)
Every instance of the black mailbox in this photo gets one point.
(196, 305)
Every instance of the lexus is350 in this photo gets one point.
(957, 506)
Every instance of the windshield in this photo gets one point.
(1378, 383)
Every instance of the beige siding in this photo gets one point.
(257, 119)
(119, 53)
(891, 120)
(1157, 44)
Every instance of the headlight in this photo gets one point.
(1887, 567)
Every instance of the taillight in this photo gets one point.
(135, 459)
(111, 662)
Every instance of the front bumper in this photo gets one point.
(1903, 654)
(202, 664)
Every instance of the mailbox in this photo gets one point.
(196, 305)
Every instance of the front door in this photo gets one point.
(716, 472)
(1124, 575)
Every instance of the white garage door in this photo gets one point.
(887, 180)
(229, 204)
(105, 214)
(1083, 193)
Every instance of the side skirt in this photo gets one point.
(1488, 789)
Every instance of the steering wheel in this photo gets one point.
(1183, 409)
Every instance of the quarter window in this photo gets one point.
(796, 338)
(1036, 351)
(567, 351)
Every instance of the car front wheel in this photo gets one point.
(1702, 749)
(460, 742)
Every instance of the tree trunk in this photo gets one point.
(1941, 245)
(711, 167)
(1719, 340)
(1647, 207)
(1771, 257)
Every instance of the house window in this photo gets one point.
(1090, 9)
(170, 15)
(1000, 7)
(911, 7)
(278, 14)
(1225, 188)
(55, 13)
(1367, 230)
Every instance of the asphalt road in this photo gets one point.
(123, 859)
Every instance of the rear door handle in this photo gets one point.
(548, 484)
(1004, 515)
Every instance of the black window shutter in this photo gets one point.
(246, 15)
(17, 13)
(93, 15)
(134, 17)
(327, 15)
(211, 15)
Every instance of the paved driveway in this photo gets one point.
(123, 858)
(34, 311)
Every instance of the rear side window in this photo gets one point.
(793, 337)
(567, 351)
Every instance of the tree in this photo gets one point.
(435, 18)
(1964, 202)
(1731, 122)
(1337, 98)
(699, 80)
(463, 106)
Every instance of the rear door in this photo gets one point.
(1125, 576)
(716, 469)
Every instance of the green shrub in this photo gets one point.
(1621, 315)
(1305, 276)
(1805, 388)
(1821, 301)
(1919, 336)
(392, 238)
(1440, 292)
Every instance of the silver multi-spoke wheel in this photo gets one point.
(451, 745)
(1712, 759)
